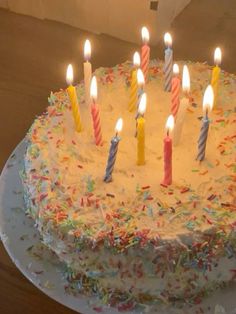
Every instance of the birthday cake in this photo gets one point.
(134, 240)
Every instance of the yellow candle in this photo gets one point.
(141, 131)
(216, 74)
(73, 99)
(134, 85)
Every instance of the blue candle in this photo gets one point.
(168, 66)
(113, 152)
(208, 100)
(203, 138)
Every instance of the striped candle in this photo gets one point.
(140, 83)
(145, 52)
(175, 90)
(95, 112)
(168, 65)
(184, 103)
(73, 98)
(113, 152)
(134, 85)
(208, 101)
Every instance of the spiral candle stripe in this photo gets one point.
(202, 139)
(175, 90)
(112, 158)
(96, 124)
(75, 107)
(134, 92)
(145, 56)
(168, 69)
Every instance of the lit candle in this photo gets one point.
(208, 100)
(73, 98)
(141, 130)
(182, 107)
(134, 86)
(87, 70)
(113, 151)
(95, 113)
(168, 152)
(145, 52)
(216, 74)
(168, 66)
(175, 89)
(141, 83)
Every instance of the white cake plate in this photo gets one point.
(43, 269)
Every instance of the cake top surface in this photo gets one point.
(65, 169)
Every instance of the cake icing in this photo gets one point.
(133, 237)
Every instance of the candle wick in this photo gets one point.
(168, 132)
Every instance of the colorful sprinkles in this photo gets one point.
(207, 216)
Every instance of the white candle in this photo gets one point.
(182, 107)
(87, 71)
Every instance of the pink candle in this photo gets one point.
(175, 90)
(168, 152)
(95, 113)
(145, 52)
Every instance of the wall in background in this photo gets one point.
(119, 18)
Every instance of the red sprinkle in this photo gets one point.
(82, 202)
(184, 190)
(146, 187)
(164, 186)
(211, 197)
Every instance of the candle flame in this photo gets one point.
(217, 56)
(119, 125)
(142, 104)
(168, 40)
(93, 89)
(87, 50)
(140, 77)
(136, 59)
(69, 75)
(170, 123)
(176, 69)
(208, 98)
(145, 35)
(186, 80)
